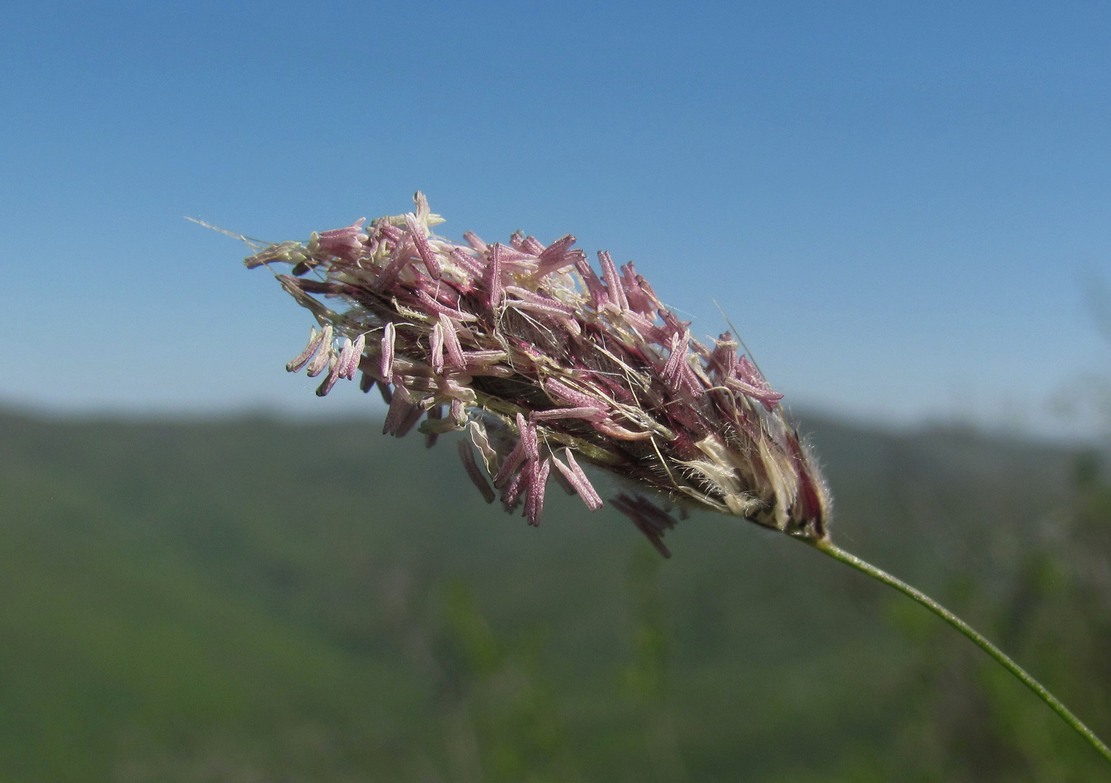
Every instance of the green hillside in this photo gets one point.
(255, 600)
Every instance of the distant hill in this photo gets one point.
(256, 599)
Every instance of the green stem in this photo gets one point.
(977, 638)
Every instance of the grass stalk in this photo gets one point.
(975, 636)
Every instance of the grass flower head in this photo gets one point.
(547, 363)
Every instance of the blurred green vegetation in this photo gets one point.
(249, 599)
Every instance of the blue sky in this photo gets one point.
(902, 207)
